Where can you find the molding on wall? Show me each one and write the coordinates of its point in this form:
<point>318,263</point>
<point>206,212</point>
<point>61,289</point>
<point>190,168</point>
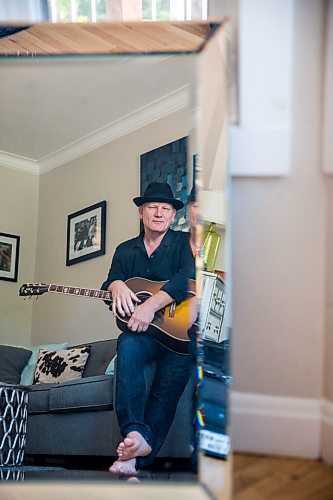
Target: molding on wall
<point>261,144</point>
<point>18,163</point>
<point>141,117</point>
<point>156,110</point>
<point>278,425</point>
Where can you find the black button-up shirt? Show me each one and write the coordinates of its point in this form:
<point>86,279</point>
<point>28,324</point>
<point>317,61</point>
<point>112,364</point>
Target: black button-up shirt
<point>172,261</point>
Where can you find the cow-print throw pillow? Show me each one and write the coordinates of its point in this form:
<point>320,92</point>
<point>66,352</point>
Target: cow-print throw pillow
<point>59,366</point>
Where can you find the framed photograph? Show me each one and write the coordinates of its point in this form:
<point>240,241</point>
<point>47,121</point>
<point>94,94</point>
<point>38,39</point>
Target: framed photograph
<point>9,256</point>
<point>86,234</point>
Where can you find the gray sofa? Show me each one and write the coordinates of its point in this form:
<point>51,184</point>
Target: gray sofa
<point>78,417</point>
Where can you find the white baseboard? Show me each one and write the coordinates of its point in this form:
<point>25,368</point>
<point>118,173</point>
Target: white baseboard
<point>328,412</point>
<point>276,425</point>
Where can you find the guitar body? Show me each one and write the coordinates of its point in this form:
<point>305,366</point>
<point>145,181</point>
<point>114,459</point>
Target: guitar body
<point>169,326</point>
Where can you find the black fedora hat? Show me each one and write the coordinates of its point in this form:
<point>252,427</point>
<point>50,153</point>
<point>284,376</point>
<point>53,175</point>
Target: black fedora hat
<point>159,192</point>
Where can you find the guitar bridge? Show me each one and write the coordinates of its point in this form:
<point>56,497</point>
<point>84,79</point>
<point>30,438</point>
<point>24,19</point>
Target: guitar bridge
<point>172,309</point>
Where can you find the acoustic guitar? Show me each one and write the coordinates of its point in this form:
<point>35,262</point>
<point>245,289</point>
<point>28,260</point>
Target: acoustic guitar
<point>169,326</point>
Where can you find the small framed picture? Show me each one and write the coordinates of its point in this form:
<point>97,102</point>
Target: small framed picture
<point>9,256</point>
<point>86,234</point>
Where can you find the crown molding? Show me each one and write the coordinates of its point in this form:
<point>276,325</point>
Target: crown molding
<point>19,163</point>
<point>129,123</point>
<point>141,117</point>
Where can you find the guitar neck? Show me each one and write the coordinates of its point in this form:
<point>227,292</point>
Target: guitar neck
<point>82,292</point>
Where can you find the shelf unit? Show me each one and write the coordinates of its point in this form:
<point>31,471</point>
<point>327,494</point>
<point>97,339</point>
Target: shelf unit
<point>212,308</point>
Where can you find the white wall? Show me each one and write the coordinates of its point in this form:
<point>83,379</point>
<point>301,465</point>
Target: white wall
<point>18,216</point>
<point>327,430</point>
<point>282,278</point>
<point>328,386</point>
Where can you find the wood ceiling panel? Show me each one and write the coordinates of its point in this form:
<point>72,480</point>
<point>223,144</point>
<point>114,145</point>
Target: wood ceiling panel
<point>107,38</point>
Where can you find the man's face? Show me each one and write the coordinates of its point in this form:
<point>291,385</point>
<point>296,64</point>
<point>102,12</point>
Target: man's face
<point>157,216</point>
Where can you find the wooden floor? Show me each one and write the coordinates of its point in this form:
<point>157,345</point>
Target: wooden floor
<point>276,478</point>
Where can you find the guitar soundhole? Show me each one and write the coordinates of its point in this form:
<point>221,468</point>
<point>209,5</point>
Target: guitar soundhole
<point>143,296</point>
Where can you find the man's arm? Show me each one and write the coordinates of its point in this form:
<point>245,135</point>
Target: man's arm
<point>175,290</point>
<point>123,299</point>
<point>177,286</point>
<point>144,313</point>
<point>126,302</point>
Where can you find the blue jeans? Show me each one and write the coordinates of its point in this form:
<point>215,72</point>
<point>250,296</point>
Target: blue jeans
<point>150,411</point>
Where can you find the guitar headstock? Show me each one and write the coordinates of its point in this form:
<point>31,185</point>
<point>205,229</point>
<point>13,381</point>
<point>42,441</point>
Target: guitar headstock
<point>33,289</point>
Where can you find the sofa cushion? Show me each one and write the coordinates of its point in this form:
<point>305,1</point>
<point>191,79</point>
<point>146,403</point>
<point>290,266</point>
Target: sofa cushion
<point>12,362</point>
<point>27,376</point>
<point>111,366</point>
<point>92,393</point>
<point>60,366</point>
<point>100,356</point>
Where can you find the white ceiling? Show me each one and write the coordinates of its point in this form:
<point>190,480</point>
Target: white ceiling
<point>47,104</point>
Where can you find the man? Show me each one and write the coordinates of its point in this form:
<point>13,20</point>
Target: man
<point>158,254</point>
<point>194,219</point>
<point>193,215</point>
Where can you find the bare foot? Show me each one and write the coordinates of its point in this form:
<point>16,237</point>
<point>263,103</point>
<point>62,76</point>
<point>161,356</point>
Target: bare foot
<point>133,479</point>
<point>134,445</point>
<point>124,468</point>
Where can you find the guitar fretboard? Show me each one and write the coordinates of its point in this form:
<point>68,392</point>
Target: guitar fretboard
<point>82,292</point>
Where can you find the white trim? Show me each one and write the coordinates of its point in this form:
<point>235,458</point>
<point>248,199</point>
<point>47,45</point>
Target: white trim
<point>93,11</point>
<point>277,425</point>
<point>53,11</point>
<point>328,412</point>
<point>156,110</point>
<point>259,151</point>
<point>204,9</point>
<point>327,146</point>
<point>19,163</point>
<point>188,9</point>
<point>177,10</point>
<point>265,87</point>
<point>129,123</point>
<point>153,10</point>
<point>73,11</point>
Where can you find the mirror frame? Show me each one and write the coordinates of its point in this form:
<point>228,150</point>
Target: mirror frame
<point>202,37</point>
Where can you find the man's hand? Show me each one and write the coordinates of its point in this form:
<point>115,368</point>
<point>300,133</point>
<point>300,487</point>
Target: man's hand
<point>141,318</point>
<point>144,313</point>
<point>123,299</point>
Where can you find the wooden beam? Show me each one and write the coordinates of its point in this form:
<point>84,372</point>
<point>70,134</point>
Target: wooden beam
<point>107,38</point>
